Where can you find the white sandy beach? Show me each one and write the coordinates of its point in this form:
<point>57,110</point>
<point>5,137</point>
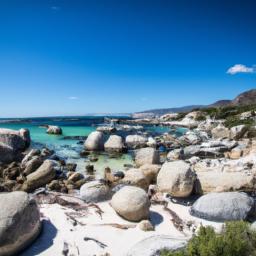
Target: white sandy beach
<point>58,229</point>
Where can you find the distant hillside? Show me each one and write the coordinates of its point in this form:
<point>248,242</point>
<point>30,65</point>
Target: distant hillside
<point>163,111</point>
<point>220,103</point>
<point>245,98</point>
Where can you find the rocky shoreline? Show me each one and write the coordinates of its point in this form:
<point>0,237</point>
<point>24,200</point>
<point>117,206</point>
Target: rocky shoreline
<point>207,175</point>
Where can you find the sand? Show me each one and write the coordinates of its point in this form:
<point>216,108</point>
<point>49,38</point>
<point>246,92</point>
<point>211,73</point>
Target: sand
<point>59,229</point>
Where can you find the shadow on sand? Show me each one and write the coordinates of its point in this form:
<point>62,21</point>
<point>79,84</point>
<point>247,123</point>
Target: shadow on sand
<point>44,241</point>
<point>155,218</point>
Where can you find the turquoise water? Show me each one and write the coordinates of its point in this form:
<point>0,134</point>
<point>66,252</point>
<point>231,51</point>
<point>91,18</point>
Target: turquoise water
<point>39,135</point>
<point>69,149</point>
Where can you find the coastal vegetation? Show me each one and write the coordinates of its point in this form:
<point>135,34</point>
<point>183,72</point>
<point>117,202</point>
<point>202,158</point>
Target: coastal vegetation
<point>236,239</point>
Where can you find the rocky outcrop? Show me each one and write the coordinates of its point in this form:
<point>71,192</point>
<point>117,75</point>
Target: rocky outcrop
<point>43,175</point>
<point>114,144</point>
<point>147,156</point>
<point>19,222</point>
<point>95,141</point>
<point>152,245</point>
<point>223,206</point>
<point>214,175</point>
<point>136,141</point>
<point>131,203</point>
<point>220,132</point>
<point>237,132</point>
<point>32,165</point>
<point>52,129</point>
<point>176,178</point>
<point>94,191</point>
<point>106,129</point>
<point>18,140</point>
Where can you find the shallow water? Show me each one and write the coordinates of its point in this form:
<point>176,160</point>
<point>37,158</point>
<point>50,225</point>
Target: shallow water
<point>69,149</point>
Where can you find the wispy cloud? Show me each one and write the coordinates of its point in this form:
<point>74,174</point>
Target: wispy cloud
<point>73,98</point>
<point>240,68</point>
<point>55,8</point>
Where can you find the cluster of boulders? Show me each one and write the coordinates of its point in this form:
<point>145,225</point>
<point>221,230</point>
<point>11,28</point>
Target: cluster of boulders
<point>27,170</point>
<point>211,161</point>
<point>98,141</point>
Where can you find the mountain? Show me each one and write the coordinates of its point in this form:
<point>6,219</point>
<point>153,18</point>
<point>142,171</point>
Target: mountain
<point>245,98</point>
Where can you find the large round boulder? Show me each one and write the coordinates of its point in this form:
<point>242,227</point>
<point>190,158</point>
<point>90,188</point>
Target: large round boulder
<point>19,222</point>
<point>136,141</point>
<point>43,175</point>
<point>114,144</point>
<point>94,191</point>
<point>52,129</point>
<point>131,203</point>
<point>176,178</point>
<point>18,140</point>
<point>135,177</point>
<point>147,156</point>
<point>225,206</point>
<point>95,141</point>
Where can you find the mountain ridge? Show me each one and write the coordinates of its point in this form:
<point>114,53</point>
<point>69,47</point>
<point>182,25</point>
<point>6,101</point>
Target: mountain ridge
<point>244,98</point>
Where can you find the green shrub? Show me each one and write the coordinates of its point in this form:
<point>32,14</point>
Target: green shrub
<point>236,239</point>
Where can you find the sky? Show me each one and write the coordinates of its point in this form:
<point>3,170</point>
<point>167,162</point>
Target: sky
<point>109,56</point>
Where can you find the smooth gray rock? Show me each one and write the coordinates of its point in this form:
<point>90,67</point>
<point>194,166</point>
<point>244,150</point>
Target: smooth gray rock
<point>136,141</point>
<point>114,144</point>
<point>176,178</point>
<point>147,156</point>
<point>237,132</point>
<point>95,141</point>
<point>131,203</point>
<point>153,245</point>
<point>18,140</point>
<point>19,222</point>
<point>43,175</point>
<point>7,154</point>
<point>32,165</point>
<point>225,206</point>
<point>94,191</point>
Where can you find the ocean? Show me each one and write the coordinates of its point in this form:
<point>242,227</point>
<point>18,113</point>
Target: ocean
<point>69,148</point>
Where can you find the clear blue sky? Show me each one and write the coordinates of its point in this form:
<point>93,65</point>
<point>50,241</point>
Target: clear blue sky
<point>76,57</point>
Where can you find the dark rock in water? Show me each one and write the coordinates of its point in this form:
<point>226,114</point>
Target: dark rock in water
<point>225,206</point>
<point>119,174</point>
<point>19,222</point>
<point>80,142</point>
<point>80,138</point>
<point>89,168</point>
<point>93,158</point>
<point>71,167</point>
<point>128,166</point>
<point>84,153</point>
